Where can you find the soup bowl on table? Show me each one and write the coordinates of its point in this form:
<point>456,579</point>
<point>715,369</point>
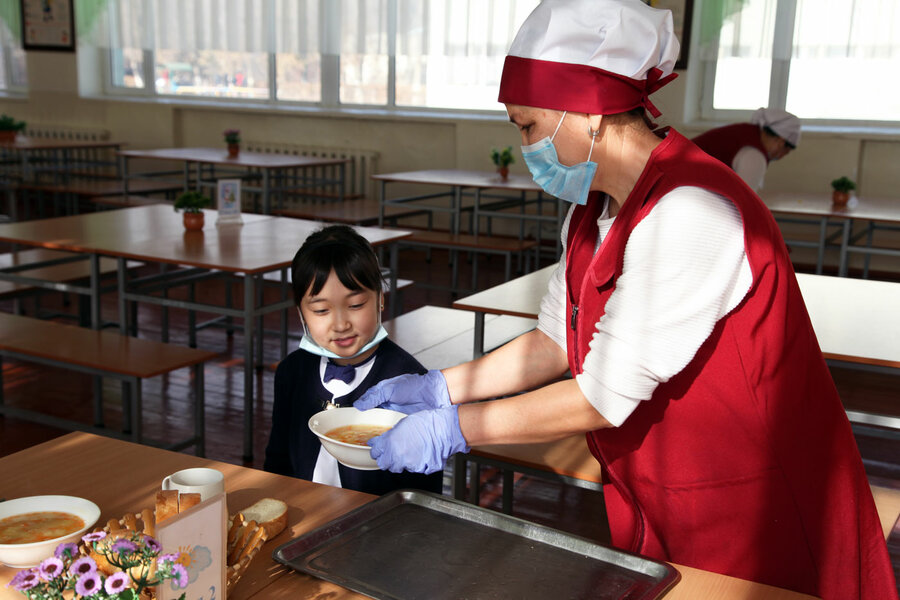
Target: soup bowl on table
<point>345,431</point>
<point>32,527</point>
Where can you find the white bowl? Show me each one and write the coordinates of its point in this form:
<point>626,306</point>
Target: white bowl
<point>351,455</point>
<point>28,555</point>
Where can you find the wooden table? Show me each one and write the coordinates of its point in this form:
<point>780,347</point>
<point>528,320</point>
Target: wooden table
<point>509,193</point>
<point>271,167</point>
<point>818,209</point>
<point>121,477</point>
<point>155,234</point>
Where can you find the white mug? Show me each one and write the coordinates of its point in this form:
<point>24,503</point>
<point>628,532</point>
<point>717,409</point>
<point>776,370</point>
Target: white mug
<point>206,482</point>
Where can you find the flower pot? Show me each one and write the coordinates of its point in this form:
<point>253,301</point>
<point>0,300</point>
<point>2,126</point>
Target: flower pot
<point>193,221</point>
<point>8,136</point>
<point>234,150</point>
<point>840,198</point>
<point>504,172</point>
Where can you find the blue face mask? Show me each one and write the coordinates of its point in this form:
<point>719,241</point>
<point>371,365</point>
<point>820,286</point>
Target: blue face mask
<point>572,184</point>
<point>310,345</point>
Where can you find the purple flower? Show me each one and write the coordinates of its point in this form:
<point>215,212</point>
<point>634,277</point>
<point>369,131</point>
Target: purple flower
<point>66,550</point>
<point>152,545</point>
<point>123,546</point>
<point>83,566</point>
<point>88,584</point>
<point>116,583</point>
<point>50,568</point>
<point>24,580</point>
<point>167,558</point>
<point>94,537</point>
<point>181,575</point>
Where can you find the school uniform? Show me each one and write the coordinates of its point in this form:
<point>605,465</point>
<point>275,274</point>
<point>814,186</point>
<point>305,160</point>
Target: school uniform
<point>301,392</point>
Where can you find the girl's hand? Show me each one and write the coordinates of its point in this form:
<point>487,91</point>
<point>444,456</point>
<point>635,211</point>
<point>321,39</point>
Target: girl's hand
<point>407,393</point>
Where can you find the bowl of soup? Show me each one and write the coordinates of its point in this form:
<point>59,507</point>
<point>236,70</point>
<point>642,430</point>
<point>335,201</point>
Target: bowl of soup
<point>345,431</point>
<point>31,528</point>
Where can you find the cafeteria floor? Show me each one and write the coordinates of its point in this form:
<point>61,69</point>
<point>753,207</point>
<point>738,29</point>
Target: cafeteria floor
<point>564,507</point>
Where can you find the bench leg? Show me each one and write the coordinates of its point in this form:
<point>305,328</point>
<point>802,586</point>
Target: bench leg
<point>127,415</point>
<point>137,410</point>
<point>199,410</point>
<point>459,476</point>
<point>192,318</point>
<point>98,401</point>
<point>474,483</point>
<point>508,484</point>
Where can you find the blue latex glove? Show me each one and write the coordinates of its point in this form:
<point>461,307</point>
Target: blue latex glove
<point>421,442</point>
<point>407,393</point>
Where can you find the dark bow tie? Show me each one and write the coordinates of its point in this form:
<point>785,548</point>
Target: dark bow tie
<point>345,373</point>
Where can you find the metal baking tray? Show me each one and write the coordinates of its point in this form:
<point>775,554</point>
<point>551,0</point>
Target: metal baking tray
<point>417,545</point>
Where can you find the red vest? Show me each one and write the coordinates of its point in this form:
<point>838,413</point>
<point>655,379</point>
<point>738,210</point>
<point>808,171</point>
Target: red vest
<point>725,142</point>
<point>744,463</point>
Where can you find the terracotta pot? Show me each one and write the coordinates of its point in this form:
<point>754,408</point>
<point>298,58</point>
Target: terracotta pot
<point>840,198</point>
<point>7,136</point>
<point>504,172</point>
<point>234,150</point>
<point>193,221</point>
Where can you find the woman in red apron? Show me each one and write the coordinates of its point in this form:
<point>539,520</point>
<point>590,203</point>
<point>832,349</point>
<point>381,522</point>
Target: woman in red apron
<point>696,375</point>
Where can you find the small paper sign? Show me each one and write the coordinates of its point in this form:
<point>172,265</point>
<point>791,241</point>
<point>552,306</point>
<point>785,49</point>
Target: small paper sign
<point>229,201</point>
<point>200,534</point>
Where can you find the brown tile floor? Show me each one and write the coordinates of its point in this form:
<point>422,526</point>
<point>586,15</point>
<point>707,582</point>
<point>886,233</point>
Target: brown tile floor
<point>167,409</point>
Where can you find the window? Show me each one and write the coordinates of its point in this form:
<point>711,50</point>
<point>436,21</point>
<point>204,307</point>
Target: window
<point>433,54</point>
<point>13,75</point>
<point>819,59</point>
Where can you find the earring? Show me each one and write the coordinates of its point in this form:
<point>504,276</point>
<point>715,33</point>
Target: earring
<point>594,133</point>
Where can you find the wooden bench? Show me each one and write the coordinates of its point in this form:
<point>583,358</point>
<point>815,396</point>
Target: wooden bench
<point>487,244</point>
<point>63,271</point>
<point>359,211</point>
<point>87,189</point>
<point>101,353</point>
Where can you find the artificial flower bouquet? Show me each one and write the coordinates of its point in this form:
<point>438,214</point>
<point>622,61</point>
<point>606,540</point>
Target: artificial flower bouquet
<point>125,568</point>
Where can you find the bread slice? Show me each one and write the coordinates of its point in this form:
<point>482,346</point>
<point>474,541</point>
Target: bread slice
<point>269,513</point>
<point>187,500</point>
<point>166,504</point>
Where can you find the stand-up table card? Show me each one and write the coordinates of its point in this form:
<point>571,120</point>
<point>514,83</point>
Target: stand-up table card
<point>200,534</point>
<point>229,201</point>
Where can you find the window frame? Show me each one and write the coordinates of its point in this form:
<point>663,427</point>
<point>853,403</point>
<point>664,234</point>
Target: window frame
<point>329,103</point>
<point>702,85</point>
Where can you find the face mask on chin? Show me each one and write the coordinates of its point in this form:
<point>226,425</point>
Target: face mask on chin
<point>572,184</point>
<point>309,344</point>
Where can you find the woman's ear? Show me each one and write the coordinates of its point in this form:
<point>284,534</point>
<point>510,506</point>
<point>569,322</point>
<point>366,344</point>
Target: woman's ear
<point>594,124</point>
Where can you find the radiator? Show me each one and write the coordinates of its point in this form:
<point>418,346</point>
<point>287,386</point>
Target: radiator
<point>44,131</point>
<point>358,173</point>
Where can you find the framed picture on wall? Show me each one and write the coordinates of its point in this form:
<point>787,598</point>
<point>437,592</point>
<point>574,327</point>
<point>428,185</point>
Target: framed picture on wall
<point>682,12</point>
<point>48,25</point>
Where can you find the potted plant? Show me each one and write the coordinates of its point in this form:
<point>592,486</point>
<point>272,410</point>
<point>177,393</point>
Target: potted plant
<point>842,187</point>
<point>9,128</point>
<point>503,158</point>
<point>191,203</point>
<point>233,140</point>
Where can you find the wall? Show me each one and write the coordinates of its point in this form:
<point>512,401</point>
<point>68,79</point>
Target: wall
<point>412,142</point>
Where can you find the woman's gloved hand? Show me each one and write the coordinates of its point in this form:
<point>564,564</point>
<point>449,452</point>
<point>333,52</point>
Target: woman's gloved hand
<point>421,442</point>
<point>407,393</point>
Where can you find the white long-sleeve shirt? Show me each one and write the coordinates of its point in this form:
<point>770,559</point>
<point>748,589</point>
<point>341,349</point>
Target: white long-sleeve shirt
<point>684,269</point>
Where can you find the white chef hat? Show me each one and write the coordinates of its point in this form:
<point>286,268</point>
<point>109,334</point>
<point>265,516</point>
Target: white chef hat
<point>591,56</point>
<point>783,123</point>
